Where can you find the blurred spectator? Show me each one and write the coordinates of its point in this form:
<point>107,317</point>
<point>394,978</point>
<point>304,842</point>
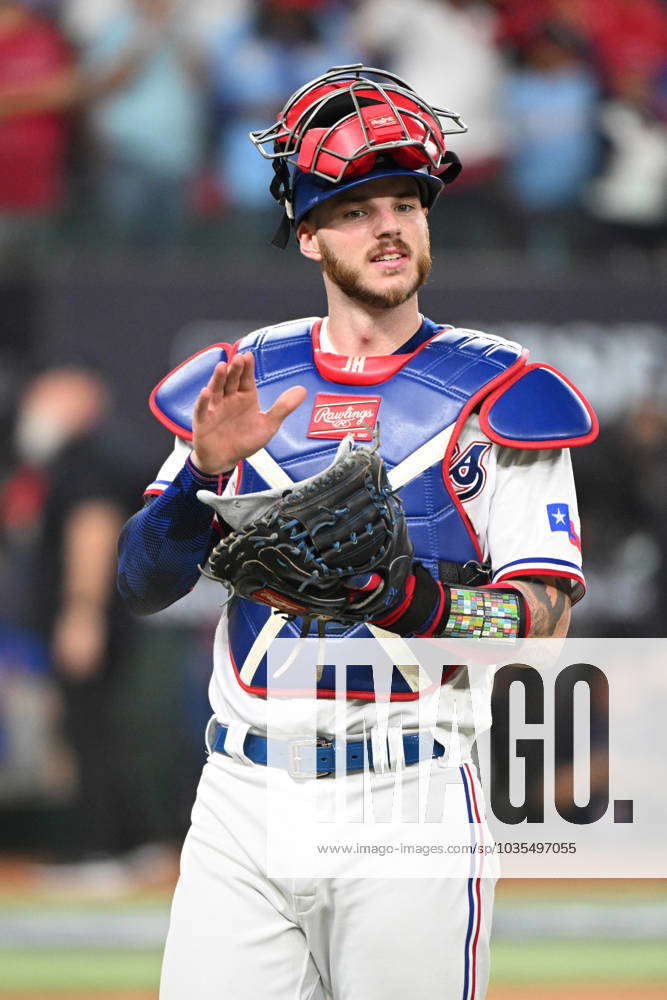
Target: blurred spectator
<point>631,192</point>
<point>83,20</point>
<point>61,509</point>
<point>265,52</point>
<point>627,36</point>
<point>623,479</point>
<point>37,84</point>
<point>624,35</point>
<point>518,18</point>
<point>147,118</point>
<point>205,17</point>
<point>550,105</point>
<point>445,50</point>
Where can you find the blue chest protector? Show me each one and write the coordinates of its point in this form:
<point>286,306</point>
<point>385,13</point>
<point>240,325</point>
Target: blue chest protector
<point>417,398</point>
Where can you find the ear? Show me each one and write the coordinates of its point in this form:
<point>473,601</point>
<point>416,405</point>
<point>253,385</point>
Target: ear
<point>308,243</point>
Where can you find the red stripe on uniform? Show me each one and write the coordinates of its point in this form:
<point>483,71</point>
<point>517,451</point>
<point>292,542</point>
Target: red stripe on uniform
<point>478,881</point>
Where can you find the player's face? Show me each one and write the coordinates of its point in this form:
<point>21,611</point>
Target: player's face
<point>372,241</point>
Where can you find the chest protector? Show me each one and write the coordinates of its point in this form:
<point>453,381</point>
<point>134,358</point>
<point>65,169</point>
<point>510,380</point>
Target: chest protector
<point>421,401</point>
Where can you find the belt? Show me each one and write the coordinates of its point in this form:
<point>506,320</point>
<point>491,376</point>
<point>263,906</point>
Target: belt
<point>316,758</point>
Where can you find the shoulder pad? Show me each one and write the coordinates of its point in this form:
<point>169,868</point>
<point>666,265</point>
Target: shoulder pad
<point>292,328</point>
<point>538,408</point>
<point>173,399</point>
<point>488,343</point>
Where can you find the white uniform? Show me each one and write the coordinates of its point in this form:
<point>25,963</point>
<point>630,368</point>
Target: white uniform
<point>236,933</point>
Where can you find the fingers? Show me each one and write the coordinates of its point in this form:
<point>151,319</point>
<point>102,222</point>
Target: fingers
<point>248,375</point>
<point>234,372</point>
<point>201,406</point>
<point>216,383</point>
<point>286,403</point>
<point>232,380</point>
<point>225,380</point>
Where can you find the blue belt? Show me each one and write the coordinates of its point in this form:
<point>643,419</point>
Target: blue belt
<point>316,758</point>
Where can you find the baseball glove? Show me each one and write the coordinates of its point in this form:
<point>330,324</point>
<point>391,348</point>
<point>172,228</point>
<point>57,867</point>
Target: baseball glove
<point>311,549</point>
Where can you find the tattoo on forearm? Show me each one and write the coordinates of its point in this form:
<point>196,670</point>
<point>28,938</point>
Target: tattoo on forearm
<point>549,608</point>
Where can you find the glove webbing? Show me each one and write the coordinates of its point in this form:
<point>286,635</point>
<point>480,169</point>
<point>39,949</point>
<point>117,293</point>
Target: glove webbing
<point>430,608</point>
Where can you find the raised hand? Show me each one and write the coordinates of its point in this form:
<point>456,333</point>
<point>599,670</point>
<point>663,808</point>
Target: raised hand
<point>227,423</point>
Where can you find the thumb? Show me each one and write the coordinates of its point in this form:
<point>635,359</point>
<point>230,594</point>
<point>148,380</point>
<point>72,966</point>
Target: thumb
<point>286,403</point>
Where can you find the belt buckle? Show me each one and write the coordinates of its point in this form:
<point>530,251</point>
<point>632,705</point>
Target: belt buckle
<point>294,748</point>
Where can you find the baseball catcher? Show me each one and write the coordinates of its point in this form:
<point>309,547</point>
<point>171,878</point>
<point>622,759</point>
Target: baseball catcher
<point>459,520</point>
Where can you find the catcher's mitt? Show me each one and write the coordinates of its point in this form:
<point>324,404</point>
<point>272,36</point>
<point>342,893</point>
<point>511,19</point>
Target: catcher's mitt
<point>310,549</point>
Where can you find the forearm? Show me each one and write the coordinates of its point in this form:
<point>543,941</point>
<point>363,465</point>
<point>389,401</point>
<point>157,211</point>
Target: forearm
<point>162,546</point>
<point>89,555</point>
<point>549,604</point>
<point>79,635</point>
<point>429,608</point>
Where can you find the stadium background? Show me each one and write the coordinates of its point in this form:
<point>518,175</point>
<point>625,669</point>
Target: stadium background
<point>134,229</point>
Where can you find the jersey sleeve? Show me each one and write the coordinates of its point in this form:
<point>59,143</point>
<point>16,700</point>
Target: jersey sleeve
<point>169,468</point>
<point>172,466</point>
<point>533,526</point>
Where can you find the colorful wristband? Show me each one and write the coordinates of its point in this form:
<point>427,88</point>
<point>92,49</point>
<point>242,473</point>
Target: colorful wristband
<point>487,613</point>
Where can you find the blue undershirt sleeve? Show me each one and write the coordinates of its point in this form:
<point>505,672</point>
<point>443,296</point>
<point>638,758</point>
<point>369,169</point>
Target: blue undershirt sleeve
<point>162,546</point>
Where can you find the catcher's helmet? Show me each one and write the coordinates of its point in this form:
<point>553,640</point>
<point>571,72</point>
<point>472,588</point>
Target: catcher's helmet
<point>350,125</point>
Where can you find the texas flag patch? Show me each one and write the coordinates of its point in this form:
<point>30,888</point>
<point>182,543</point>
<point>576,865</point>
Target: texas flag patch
<point>560,520</point>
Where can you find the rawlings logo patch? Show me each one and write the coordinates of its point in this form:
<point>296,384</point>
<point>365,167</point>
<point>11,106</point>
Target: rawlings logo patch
<point>383,120</point>
<point>466,470</point>
<point>335,416</point>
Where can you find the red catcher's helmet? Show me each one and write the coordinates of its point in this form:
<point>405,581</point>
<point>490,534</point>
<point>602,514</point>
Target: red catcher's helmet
<point>343,124</point>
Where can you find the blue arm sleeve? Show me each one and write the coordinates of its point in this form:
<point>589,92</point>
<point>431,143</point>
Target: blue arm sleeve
<point>162,546</point>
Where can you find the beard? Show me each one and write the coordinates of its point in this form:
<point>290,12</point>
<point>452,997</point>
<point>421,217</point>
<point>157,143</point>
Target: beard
<point>350,284</point>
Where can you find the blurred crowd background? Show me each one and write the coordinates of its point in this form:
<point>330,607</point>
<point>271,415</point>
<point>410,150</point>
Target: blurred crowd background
<point>134,229</point>
<point>128,119</point>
